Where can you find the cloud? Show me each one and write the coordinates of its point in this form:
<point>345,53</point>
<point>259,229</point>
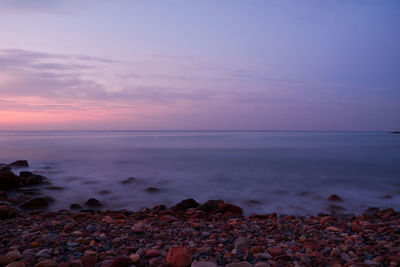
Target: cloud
<point>31,80</point>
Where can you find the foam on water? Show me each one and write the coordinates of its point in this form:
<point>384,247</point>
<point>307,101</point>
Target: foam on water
<point>284,172</point>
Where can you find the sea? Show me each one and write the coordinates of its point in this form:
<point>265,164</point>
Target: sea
<point>287,172</point>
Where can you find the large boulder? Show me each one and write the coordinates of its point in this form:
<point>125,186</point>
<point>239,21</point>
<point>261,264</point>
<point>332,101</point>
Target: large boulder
<point>8,179</point>
<point>36,203</point>
<point>210,205</point>
<point>7,212</point>
<point>19,164</point>
<point>4,166</point>
<point>185,205</point>
<point>92,202</point>
<point>29,178</point>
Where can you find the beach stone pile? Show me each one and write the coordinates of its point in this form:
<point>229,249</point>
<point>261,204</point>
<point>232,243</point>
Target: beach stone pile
<point>189,234</point>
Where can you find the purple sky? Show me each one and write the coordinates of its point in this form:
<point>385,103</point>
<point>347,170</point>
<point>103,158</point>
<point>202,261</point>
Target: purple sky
<point>227,64</point>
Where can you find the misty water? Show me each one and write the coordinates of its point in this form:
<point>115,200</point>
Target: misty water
<point>286,172</point>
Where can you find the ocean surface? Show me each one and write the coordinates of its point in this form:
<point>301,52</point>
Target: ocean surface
<point>288,172</point>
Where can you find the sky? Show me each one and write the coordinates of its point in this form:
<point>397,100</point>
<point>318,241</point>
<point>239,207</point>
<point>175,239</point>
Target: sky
<point>199,65</point>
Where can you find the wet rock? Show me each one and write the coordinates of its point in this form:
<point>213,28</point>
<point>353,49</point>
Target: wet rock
<point>121,262</point>
<point>179,257</point>
<point>19,164</point>
<point>210,205</point>
<point>225,207</point>
<point>29,178</point>
<point>8,179</point>
<point>4,166</point>
<point>92,202</point>
<point>152,190</point>
<point>46,263</point>
<point>7,212</point>
<point>185,205</point>
<point>335,198</point>
<point>36,203</point>
<point>75,206</point>
<point>253,202</point>
<point>128,181</point>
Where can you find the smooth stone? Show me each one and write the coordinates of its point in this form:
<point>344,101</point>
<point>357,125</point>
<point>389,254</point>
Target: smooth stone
<point>240,242</point>
<point>44,253</point>
<point>134,258</point>
<point>179,257</point>
<point>335,197</point>
<point>239,264</point>
<point>128,181</point>
<point>203,264</point>
<point>29,178</point>
<point>46,263</point>
<point>152,190</point>
<point>92,202</point>
<point>36,203</point>
<point>19,164</point>
<point>75,206</point>
<point>16,264</point>
<point>185,205</point>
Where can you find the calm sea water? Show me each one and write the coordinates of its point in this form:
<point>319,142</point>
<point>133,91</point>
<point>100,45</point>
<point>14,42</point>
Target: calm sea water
<point>282,171</point>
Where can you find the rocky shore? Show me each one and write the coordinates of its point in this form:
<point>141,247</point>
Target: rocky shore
<point>214,233</point>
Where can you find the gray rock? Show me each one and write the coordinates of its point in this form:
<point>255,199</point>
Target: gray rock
<point>44,253</point>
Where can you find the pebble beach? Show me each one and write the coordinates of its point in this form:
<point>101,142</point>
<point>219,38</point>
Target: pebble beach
<point>189,233</point>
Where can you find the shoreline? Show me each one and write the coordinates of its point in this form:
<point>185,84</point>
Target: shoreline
<point>210,234</point>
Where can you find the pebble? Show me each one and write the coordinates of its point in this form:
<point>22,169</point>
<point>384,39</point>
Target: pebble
<point>16,264</point>
<point>203,264</point>
<point>239,264</point>
<point>179,257</point>
<point>46,263</point>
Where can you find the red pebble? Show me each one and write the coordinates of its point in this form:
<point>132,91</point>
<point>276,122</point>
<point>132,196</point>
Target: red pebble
<point>275,251</point>
<point>121,262</point>
<point>88,261</point>
<point>179,257</point>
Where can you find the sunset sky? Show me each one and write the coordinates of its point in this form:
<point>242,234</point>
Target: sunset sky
<point>206,64</point>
